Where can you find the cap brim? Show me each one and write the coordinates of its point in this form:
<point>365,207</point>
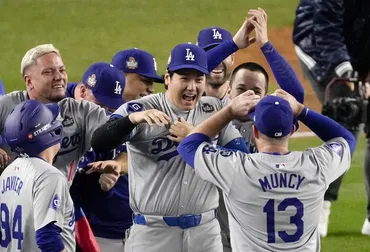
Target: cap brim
<point>108,101</point>
<point>210,46</point>
<point>178,67</point>
<point>154,77</point>
<point>54,108</point>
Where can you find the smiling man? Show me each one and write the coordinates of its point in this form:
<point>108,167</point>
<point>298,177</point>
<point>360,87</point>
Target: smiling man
<point>217,84</point>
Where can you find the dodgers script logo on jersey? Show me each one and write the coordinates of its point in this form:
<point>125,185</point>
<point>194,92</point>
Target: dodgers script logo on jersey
<point>67,142</point>
<point>163,144</point>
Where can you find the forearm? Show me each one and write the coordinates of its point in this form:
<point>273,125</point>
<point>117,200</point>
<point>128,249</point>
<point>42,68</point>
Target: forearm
<point>214,124</point>
<point>48,238</point>
<point>122,159</point>
<point>219,53</point>
<point>283,72</point>
<point>326,128</point>
<point>188,147</point>
<point>112,134</point>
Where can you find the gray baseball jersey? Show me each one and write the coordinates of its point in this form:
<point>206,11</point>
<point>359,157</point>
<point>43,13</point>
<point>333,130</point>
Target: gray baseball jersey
<point>274,201</point>
<point>34,194</point>
<point>79,119</point>
<point>160,182</point>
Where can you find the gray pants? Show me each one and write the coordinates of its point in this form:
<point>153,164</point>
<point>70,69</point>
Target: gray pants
<point>203,238</point>
<point>341,91</point>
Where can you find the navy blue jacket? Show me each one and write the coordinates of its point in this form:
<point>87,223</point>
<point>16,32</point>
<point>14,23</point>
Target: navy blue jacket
<point>333,37</point>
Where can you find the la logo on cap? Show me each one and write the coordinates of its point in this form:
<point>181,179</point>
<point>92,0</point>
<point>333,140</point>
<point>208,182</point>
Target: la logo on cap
<point>189,55</point>
<point>91,81</point>
<point>216,34</point>
<point>131,63</point>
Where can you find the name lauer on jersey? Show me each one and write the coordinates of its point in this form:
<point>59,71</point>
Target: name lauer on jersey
<point>281,180</point>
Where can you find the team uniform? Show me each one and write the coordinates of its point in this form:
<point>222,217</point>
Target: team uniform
<point>34,194</point>
<point>79,119</point>
<point>108,213</point>
<point>161,184</point>
<point>281,210</point>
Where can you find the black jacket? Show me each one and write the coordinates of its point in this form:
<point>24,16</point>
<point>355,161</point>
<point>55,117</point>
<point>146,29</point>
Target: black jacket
<point>333,36</point>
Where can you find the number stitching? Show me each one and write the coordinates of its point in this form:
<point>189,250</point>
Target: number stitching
<point>296,219</point>
<point>17,224</point>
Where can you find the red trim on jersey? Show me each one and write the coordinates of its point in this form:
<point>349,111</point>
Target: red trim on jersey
<point>71,166</point>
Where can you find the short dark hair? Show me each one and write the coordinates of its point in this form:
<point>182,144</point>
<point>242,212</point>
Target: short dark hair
<point>253,67</point>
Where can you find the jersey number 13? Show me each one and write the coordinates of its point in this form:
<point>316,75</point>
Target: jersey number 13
<point>296,219</point>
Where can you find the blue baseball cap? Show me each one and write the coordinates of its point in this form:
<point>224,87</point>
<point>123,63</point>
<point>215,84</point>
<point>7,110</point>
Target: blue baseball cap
<point>188,56</point>
<point>273,116</point>
<point>137,61</point>
<point>107,84</point>
<point>213,36</point>
<point>2,90</point>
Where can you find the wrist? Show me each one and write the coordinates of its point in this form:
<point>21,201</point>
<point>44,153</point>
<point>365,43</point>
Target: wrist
<point>299,110</point>
<point>263,43</point>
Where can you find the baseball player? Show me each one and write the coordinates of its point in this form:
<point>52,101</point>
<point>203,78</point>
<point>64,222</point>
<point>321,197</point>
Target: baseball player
<point>168,202</point>
<point>247,76</point>
<point>36,208</point>
<point>109,214</point>
<point>140,70</point>
<point>280,211</point>
<point>217,84</point>
<point>44,74</point>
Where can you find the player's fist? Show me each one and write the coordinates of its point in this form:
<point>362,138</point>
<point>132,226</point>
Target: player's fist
<point>107,181</point>
<point>4,159</point>
<point>179,130</point>
<point>151,116</point>
<point>242,37</point>
<point>109,166</point>
<point>258,18</point>
<point>294,104</point>
<point>241,105</point>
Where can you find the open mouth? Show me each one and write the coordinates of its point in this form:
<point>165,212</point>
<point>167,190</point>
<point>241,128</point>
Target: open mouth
<point>189,98</point>
<point>218,71</point>
<point>58,86</point>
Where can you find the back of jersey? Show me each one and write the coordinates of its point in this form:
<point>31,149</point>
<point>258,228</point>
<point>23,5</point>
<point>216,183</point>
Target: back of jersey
<point>28,203</point>
<point>278,209</point>
<point>274,201</point>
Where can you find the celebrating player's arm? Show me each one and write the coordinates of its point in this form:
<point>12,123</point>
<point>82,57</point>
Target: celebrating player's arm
<point>282,70</point>
<point>334,156</point>
<point>241,40</point>
<point>213,163</point>
<point>124,124</point>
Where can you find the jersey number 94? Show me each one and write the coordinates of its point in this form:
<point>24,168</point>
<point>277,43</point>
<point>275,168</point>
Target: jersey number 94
<point>11,232</point>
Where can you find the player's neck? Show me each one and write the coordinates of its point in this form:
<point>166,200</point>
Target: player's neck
<point>217,91</point>
<point>49,154</point>
<point>273,148</point>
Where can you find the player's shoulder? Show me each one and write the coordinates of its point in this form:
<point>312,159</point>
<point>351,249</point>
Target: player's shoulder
<point>336,145</point>
<point>210,104</point>
<point>12,99</point>
<point>146,102</point>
